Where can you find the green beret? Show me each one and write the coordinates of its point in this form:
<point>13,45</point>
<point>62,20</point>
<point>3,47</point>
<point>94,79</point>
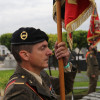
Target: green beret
<point>28,35</point>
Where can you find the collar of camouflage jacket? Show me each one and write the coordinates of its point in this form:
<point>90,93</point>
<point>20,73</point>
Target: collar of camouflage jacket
<point>31,80</point>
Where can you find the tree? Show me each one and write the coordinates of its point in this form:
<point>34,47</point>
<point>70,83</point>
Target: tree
<point>52,40</point>
<point>64,37</point>
<point>80,39</point>
<point>5,40</point>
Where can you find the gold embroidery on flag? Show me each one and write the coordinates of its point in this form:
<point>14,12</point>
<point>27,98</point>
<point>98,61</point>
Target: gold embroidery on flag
<point>97,25</point>
<point>72,1</point>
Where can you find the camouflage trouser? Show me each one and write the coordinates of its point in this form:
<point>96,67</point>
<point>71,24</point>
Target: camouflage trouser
<point>92,84</point>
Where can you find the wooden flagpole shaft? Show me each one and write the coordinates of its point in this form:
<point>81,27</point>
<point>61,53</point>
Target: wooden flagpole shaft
<point>60,61</point>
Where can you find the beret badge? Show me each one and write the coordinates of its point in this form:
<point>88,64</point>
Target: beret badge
<point>24,35</point>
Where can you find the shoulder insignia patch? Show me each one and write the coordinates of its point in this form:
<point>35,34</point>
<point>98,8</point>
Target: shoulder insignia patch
<point>19,83</point>
<point>9,84</point>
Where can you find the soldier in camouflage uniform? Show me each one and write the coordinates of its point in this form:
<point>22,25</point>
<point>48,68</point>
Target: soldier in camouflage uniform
<point>92,69</point>
<point>30,81</point>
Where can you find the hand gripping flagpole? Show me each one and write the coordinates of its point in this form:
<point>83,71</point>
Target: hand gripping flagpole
<point>60,61</point>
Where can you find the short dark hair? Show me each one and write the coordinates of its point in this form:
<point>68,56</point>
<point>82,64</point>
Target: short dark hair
<point>15,49</point>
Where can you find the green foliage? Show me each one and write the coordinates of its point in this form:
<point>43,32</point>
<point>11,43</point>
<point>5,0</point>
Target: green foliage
<point>5,39</point>
<point>79,39</point>
<point>64,37</point>
<point>52,40</point>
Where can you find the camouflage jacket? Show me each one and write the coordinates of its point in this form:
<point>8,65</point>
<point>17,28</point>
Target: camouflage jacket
<point>23,86</point>
<point>92,65</point>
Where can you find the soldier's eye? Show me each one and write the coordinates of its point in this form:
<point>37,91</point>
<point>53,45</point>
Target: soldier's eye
<point>43,47</point>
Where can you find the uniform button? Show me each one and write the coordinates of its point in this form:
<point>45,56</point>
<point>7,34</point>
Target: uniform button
<point>23,76</point>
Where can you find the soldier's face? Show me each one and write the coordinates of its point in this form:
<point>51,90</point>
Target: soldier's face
<point>40,55</point>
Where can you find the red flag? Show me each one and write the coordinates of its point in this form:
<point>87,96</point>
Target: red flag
<point>93,35</point>
<point>76,12</point>
<point>73,13</point>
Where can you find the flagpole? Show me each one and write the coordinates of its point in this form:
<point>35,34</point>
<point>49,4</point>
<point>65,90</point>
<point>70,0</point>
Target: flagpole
<point>60,61</point>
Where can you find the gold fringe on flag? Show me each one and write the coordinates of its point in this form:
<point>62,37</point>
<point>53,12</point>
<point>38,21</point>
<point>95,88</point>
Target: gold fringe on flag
<point>81,18</point>
<point>70,41</point>
<point>75,23</point>
<point>92,37</point>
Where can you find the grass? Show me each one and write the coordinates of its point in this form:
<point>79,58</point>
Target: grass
<point>76,84</point>
<point>80,84</point>
<point>54,73</point>
<point>5,75</point>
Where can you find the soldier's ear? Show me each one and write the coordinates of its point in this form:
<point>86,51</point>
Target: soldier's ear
<point>24,55</point>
